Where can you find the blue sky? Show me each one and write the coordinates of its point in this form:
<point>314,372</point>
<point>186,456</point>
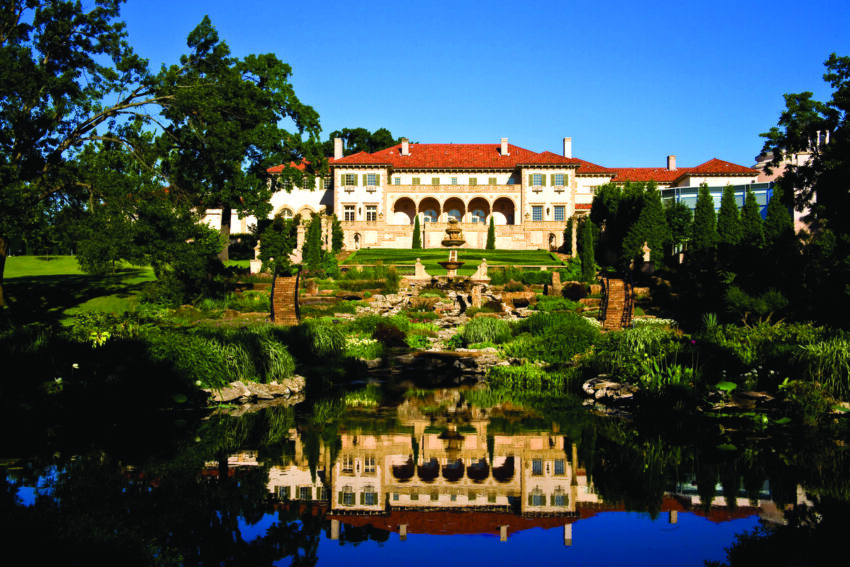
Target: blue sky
<point>630,82</point>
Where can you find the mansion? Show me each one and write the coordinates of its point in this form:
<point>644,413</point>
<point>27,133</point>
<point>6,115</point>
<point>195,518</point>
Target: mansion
<point>530,196</point>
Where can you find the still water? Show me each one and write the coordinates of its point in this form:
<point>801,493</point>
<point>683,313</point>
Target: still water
<point>449,476</point>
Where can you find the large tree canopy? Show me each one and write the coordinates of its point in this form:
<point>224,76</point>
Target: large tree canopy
<point>822,183</point>
<point>360,140</point>
<point>68,79</point>
<point>65,72</point>
<point>224,127</point>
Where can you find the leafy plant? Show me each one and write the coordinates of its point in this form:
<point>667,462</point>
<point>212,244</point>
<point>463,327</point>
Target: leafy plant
<point>486,329</point>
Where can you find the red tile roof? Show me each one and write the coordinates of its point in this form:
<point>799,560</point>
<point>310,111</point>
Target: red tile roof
<point>713,167</point>
<point>588,168</point>
<point>456,156</point>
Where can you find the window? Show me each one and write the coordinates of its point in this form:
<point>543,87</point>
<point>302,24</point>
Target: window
<point>454,180</point>
<point>348,212</point>
<point>537,498</point>
<point>395,496</point>
<point>396,180</point>
<point>559,499</point>
<point>537,213</point>
<point>369,464</point>
<point>323,493</point>
<point>414,495</point>
<point>559,213</point>
<point>371,179</point>
<point>537,467</point>
<point>435,496</point>
<point>454,214</point>
<point>286,214</point>
<point>491,181</point>
<point>370,497</point>
<point>435,181</point>
<point>416,181</point>
<point>478,216</point>
<point>305,492</point>
<point>473,181</point>
<point>347,464</point>
<point>326,183</point>
<point>537,179</point>
<point>430,215</point>
<point>558,180</point>
<point>346,498</point>
<point>559,466</point>
<point>349,179</point>
<point>371,212</point>
<point>283,492</point>
<point>491,498</point>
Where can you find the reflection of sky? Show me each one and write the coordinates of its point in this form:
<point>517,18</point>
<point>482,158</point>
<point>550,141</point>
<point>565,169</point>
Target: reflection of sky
<point>610,538</point>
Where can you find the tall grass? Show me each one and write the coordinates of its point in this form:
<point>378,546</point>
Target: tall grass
<point>322,338</point>
<point>555,337</point>
<point>828,362</point>
<point>486,330</point>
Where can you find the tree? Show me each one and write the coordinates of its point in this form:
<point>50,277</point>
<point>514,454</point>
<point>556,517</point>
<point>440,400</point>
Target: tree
<point>728,227</point>
<point>568,235</point>
<point>312,254</point>
<point>277,241</point>
<point>679,221</point>
<point>224,129</point>
<point>823,182</point>
<point>778,225</point>
<point>728,219</point>
<point>751,223</point>
<point>417,234</point>
<point>360,140</point>
<point>491,235</point>
<point>65,73</point>
<point>588,266</point>
<point>650,228</point>
<point>704,232</point>
<point>337,236</point>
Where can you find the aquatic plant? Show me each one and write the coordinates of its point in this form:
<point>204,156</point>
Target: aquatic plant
<point>486,329</point>
<point>827,362</point>
<point>322,338</point>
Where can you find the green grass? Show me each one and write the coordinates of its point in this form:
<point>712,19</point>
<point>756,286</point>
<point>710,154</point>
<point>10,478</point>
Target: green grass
<point>471,257</point>
<point>38,289</point>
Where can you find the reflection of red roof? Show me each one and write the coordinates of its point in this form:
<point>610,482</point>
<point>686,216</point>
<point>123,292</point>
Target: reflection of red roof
<point>456,156</point>
<point>584,206</point>
<point>472,521</point>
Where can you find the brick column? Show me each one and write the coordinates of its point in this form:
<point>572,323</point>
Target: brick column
<point>285,300</point>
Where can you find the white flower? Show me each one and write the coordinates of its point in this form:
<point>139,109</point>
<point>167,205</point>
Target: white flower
<point>75,366</point>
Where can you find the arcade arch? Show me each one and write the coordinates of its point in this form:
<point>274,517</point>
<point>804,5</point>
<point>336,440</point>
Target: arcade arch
<point>404,210</point>
<point>504,211</point>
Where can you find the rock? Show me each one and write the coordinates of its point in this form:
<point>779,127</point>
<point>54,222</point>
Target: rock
<point>241,392</point>
<point>607,391</point>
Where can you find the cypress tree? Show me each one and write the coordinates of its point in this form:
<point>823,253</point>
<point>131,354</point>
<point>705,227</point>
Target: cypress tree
<point>679,221</point>
<point>337,236</point>
<point>417,234</point>
<point>728,219</point>
<point>751,223</point>
<point>588,266</point>
<point>704,232</point>
<point>568,235</point>
<point>651,228</point>
<point>778,224</point>
<point>491,235</point>
<point>311,252</point>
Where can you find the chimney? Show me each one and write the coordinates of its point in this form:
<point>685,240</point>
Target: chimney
<point>505,147</point>
<point>568,147</point>
<point>671,163</point>
<point>405,147</point>
<point>337,148</point>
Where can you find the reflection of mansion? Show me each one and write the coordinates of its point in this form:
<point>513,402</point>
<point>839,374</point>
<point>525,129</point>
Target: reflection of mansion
<point>530,196</point>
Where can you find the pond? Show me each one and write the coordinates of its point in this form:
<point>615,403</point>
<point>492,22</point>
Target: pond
<point>417,477</point>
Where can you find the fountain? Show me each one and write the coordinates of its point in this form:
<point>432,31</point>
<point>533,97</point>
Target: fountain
<point>454,238</point>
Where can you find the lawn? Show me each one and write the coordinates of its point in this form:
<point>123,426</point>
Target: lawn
<point>41,288</point>
<point>471,257</point>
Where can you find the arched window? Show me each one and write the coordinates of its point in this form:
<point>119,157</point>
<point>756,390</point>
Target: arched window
<point>430,215</point>
<point>286,214</point>
<point>478,216</point>
<point>454,214</point>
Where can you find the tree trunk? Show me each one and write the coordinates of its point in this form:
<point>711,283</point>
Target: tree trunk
<point>4,249</point>
<point>226,213</point>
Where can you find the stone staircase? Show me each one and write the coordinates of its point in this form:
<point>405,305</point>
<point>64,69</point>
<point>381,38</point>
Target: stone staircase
<point>618,305</point>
